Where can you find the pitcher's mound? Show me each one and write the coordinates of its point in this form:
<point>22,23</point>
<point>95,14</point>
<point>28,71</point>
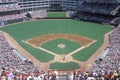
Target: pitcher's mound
<point>61,46</point>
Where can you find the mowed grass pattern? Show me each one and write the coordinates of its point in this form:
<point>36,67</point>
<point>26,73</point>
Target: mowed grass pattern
<point>69,46</point>
<point>28,30</point>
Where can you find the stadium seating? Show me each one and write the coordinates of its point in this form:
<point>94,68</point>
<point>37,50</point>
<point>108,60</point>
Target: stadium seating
<point>100,8</point>
<point>11,62</point>
<point>97,12</point>
<point>38,14</point>
<point>9,13</point>
<point>9,7</point>
<point>13,66</point>
<point>12,18</point>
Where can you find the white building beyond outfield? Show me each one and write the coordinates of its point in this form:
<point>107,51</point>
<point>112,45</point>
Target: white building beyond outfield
<point>33,5</point>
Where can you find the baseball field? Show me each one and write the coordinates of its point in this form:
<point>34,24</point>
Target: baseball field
<point>62,44</point>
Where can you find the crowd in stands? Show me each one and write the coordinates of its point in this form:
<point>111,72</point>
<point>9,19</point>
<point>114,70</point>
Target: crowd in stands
<point>12,66</point>
<point>38,14</point>
<point>12,18</point>
<point>4,1</point>
<point>98,8</point>
<point>95,18</point>
<point>97,12</point>
<point>9,7</point>
<point>116,21</point>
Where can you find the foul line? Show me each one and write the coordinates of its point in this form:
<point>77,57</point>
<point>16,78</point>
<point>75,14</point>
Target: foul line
<point>50,52</point>
<point>69,54</point>
<point>73,52</point>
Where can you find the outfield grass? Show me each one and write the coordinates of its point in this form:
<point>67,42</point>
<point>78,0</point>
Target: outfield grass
<point>53,46</point>
<point>56,14</point>
<point>86,53</point>
<point>64,66</point>
<point>28,30</point>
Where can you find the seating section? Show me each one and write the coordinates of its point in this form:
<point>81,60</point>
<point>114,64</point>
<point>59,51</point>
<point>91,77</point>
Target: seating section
<point>38,14</point>
<point>97,12</point>
<point>12,65</point>
<point>10,12</point>
<point>100,8</point>
<point>95,18</point>
<point>9,7</point>
<point>12,18</point>
<point>8,59</point>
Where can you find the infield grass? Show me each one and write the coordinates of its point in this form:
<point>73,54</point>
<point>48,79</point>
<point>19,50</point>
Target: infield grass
<point>64,66</point>
<point>68,46</point>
